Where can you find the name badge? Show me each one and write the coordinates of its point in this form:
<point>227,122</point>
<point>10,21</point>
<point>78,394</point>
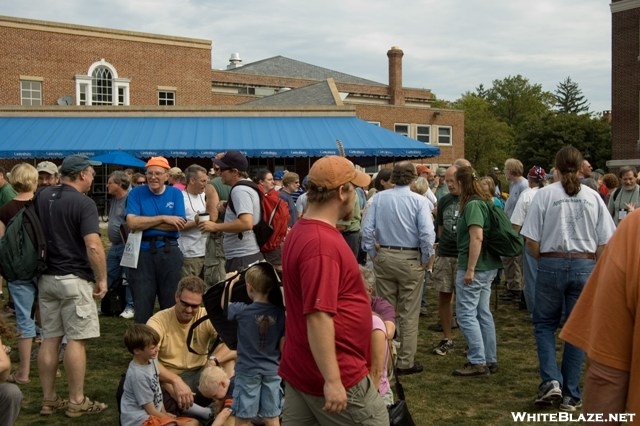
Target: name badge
<point>622,213</point>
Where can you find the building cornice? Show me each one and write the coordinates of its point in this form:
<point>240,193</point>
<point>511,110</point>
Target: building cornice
<point>621,6</point>
<point>81,30</point>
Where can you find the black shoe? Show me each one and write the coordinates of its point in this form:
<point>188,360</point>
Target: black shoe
<point>417,368</point>
<point>493,367</point>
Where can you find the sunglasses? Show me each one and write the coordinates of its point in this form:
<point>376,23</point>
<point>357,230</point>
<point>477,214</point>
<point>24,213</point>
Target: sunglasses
<point>189,305</point>
<point>141,182</point>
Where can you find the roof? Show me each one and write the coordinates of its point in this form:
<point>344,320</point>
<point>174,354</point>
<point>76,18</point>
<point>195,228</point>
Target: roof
<point>143,137</point>
<point>280,66</point>
<point>323,93</point>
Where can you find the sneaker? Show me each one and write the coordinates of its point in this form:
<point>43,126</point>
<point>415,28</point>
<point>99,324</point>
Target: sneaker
<point>493,367</point>
<point>471,370</point>
<point>445,346</point>
<point>570,404</point>
<point>548,393</point>
<point>417,368</point>
<point>423,311</point>
<point>437,327</point>
<point>127,313</point>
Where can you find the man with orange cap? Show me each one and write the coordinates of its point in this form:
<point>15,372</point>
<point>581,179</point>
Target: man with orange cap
<point>157,210</point>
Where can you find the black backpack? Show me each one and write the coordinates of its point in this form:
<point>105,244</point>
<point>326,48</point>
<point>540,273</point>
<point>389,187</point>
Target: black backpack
<point>217,310</point>
<point>23,248</point>
<point>114,302</point>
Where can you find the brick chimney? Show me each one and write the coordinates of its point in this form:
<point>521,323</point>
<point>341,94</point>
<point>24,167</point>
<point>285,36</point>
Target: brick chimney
<point>395,75</point>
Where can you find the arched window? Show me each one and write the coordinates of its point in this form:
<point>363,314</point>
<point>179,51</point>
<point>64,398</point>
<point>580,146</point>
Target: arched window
<point>102,86</point>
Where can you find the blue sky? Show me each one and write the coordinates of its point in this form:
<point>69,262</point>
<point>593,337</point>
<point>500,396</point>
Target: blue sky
<point>449,46</point>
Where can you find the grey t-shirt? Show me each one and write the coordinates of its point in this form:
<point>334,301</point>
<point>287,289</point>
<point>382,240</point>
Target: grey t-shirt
<point>117,213</point>
<point>141,386</point>
<point>245,200</point>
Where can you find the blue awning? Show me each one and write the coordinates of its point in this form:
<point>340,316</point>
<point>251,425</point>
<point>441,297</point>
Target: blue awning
<point>143,137</point>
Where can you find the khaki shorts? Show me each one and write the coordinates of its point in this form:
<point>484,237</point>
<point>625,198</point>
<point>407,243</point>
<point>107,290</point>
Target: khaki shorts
<point>365,408</point>
<point>443,277</point>
<point>67,307</point>
<point>193,266</point>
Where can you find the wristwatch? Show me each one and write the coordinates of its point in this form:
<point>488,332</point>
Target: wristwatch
<point>214,359</point>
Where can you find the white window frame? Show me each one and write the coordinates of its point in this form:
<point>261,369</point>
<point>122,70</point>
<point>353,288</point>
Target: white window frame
<point>407,125</point>
<point>162,96</point>
<point>84,86</point>
<point>422,134</point>
<point>449,136</point>
<point>34,94</point>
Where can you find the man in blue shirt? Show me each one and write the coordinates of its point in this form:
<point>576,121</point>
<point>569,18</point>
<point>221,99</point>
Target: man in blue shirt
<point>157,210</point>
<point>398,234</point>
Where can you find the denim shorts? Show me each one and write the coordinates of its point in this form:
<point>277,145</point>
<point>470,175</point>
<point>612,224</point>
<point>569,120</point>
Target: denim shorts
<point>257,395</point>
<point>24,295</point>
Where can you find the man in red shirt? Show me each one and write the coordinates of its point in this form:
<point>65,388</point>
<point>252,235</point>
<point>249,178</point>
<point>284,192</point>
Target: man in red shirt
<point>328,323</point>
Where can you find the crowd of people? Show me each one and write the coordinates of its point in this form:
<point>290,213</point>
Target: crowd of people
<point>354,268</point>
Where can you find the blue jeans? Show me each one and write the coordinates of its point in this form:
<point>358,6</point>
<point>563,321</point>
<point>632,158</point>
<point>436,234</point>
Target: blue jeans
<point>474,316</point>
<point>530,269</point>
<point>115,271</point>
<point>24,294</point>
<point>157,274</point>
<point>559,284</point>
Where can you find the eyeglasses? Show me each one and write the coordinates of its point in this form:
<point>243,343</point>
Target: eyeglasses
<point>189,305</point>
<point>155,174</point>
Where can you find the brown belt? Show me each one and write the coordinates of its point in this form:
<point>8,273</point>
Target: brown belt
<point>568,255</point>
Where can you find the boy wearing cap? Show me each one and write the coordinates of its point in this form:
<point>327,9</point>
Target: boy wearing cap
<point>328,320</point>
<point>76,274</point>
<point>239,242</point>
<point>157,210</point>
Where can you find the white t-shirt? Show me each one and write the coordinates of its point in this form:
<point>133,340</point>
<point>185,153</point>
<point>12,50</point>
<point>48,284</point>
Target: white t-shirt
<point>568,224</point>
<point>192,242</point>
<point>522,206</point>
<point>245,200</point>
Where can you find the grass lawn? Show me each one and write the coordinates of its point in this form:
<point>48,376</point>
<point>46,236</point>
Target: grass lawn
<point>435,397</point>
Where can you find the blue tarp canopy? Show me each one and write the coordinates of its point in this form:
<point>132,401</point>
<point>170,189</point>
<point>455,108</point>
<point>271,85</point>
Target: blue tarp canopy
<point>120,158</point>
<point>143,137</point>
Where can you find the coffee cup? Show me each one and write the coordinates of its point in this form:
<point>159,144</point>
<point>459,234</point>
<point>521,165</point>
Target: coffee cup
<point>203,217</point>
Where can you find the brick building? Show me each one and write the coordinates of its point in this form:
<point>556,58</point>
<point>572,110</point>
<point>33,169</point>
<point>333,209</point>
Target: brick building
<point>53,65</point>
<point>625,91</point>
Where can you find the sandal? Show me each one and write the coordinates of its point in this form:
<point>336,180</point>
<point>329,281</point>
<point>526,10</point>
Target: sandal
<point>50,406</point>
<point>13,379</point>
<point>85,407</point>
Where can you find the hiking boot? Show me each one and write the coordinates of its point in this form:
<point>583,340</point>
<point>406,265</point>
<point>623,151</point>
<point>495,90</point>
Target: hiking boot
<point>445,346</point>
<point>570,404</point>
<point>548,393</point>
<point>471,370</point>
<point>417,368</point>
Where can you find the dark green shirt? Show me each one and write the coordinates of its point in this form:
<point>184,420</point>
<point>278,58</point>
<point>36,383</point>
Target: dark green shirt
<point>476,212</point>
<point>446,219</point>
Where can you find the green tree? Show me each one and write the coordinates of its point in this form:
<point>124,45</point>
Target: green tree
<point>540,139</point>
<point>487,140</point>
<point>514,100</point>
<point>569,98</point>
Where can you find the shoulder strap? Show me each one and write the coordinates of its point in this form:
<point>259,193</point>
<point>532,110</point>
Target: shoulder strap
<point>244,182</point>
<point>190,337</point>
<point>616,193</point>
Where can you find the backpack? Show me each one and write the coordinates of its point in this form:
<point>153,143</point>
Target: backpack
<point>500,239</point>
<point>23,248</point>
<point>216,302</point>
<point>114,302</point>
<point>274,217</point>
